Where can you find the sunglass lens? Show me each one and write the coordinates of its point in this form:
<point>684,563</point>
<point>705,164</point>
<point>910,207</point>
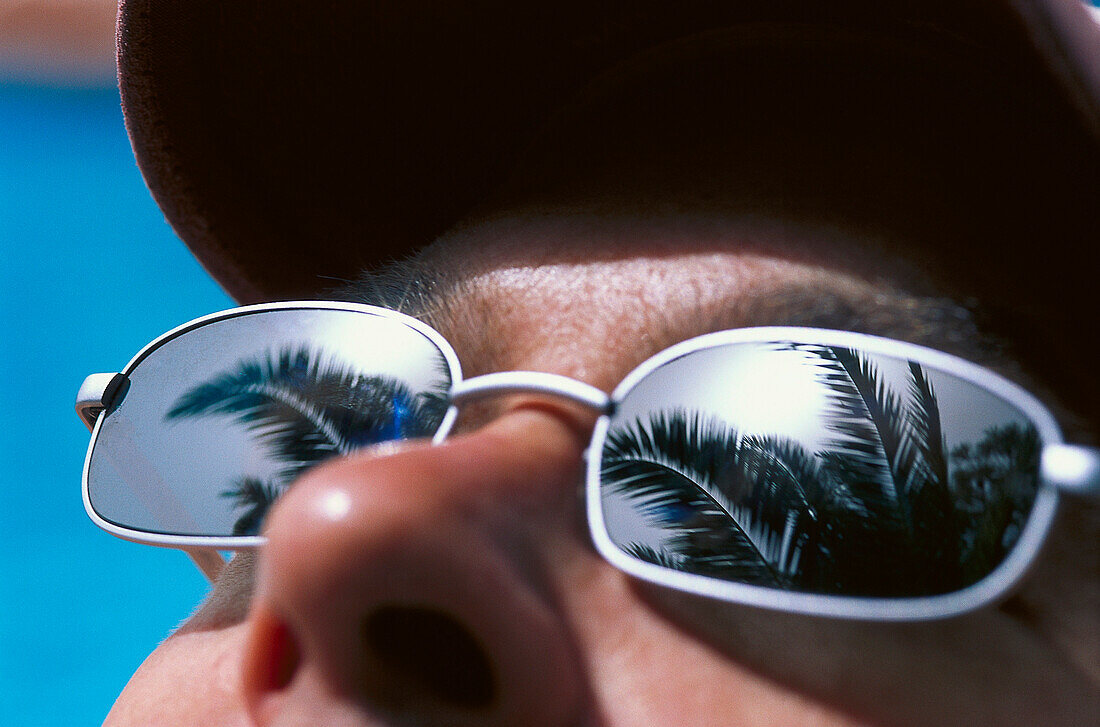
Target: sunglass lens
<point>215,423</point>
<point>818,469</point>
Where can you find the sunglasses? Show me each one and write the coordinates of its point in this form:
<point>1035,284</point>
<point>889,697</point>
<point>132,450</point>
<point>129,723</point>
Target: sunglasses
<point>812,471</point>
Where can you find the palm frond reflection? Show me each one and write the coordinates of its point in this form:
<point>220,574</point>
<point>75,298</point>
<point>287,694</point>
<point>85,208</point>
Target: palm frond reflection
<point>881,509</point>
<point>304,406</point>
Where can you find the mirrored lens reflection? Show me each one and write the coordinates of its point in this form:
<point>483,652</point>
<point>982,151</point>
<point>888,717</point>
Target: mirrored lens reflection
<point>216,423</point>
<point>818,469</point>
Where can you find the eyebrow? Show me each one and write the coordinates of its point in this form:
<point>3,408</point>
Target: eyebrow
<point>935,322</point>
<point>410,286</point>
<point>425,291</point>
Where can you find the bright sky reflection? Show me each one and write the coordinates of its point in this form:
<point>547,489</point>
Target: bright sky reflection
<point>766,389</point>
<point>755,389</point>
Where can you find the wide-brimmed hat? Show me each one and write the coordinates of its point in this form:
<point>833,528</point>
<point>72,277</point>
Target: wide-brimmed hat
<point>291,144</point>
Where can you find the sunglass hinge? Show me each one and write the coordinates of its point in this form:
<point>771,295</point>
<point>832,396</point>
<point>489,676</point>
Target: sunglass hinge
<point>98,393</point>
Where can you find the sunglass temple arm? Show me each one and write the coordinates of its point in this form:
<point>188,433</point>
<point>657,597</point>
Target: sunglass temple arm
<point>209,561</point>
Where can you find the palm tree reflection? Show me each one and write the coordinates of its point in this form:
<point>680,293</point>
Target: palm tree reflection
<point>305,406</point>
<point>882,510</point>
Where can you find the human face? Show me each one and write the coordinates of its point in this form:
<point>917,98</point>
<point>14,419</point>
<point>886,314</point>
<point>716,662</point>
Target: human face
<point>454,584</point>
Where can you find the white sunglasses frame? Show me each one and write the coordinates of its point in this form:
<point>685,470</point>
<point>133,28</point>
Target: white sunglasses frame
<point>1067,468</point>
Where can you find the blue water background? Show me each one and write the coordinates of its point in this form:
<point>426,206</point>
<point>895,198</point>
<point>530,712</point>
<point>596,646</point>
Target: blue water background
<point>90,273</point>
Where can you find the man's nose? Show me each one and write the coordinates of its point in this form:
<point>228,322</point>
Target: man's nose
<point>411,587</point>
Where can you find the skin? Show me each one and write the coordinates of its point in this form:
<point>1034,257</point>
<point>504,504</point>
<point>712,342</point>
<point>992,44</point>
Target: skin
<point>586,268</point>
<point>571,640</point>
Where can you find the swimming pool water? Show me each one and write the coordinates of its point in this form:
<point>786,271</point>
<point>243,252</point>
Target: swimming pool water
<point>89,272</point>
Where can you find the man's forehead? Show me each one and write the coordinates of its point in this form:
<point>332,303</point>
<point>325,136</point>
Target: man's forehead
<point>531,299</point>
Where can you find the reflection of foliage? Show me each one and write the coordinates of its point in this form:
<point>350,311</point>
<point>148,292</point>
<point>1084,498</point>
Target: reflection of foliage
<point>254,496</point>
<point>652,555</point>
<point>875,513</point>
<point>306,407</point>
<point>994,484</point>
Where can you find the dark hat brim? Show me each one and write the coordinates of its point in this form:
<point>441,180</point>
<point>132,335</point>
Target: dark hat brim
<point>291,144</point>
